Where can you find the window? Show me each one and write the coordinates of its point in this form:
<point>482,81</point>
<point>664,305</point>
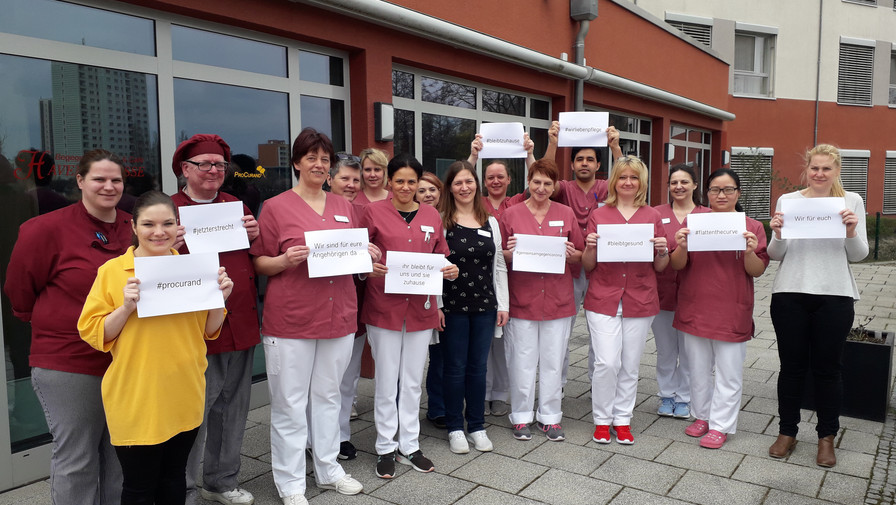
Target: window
<point>210,48</point>
<point>892,100</point>
<point>890,183</point>
<point>698,28</point>
<point>754,167</point>
<point>854,171</point>
<point>855,76</point>
<point>754,55</point>
<point>691,146</point>
<point>863,2</point>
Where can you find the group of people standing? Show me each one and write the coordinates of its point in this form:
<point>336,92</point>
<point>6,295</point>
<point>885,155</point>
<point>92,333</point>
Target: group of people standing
<point>162,420</point>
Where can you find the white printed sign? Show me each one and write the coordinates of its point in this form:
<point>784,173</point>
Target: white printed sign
<point>624,242</point>
<point>813,218</point>
<point>414,273</point>
<point>717,231</point>
<point>502,140</point>
<point>177,283</point>
<point>214,227</point>
<point>540,254</point>
<point>338,252</point>
<point>583,129</point>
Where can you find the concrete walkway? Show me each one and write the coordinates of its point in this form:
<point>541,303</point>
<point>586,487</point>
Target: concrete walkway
<point>664,466</point>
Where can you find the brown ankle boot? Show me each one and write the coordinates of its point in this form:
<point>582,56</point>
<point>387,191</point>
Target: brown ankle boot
<point>826,456</point>
<point>782,447</point>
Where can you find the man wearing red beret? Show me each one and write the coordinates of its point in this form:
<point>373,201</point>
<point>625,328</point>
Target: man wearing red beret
<point>203,161</point>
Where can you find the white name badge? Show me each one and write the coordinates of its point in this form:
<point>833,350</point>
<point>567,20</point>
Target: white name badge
<point>340,219</point>
<point>666,220</point>
<point>484,233</point>
<point>427,229</point>
<point>555,223</point>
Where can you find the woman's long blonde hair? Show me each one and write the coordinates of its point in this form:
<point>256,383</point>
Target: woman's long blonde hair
<point>834,153</point>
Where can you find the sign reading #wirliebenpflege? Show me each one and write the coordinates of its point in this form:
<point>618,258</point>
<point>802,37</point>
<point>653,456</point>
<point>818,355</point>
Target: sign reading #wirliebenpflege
<point>583,129</point>
<point>539,253</point>
<point>624,242</point>
<point>177,283</point>
<point>717,231</point>
<point>338,252</point>
<point>214,227</point>
<point>502,140</point>
<point>413,273</point>
<point>813,218</point>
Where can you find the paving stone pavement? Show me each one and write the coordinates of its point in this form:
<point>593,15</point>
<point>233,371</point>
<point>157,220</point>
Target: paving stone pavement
<point>664,466</point>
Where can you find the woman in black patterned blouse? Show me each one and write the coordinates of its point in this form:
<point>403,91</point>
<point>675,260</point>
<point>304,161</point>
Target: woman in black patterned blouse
<point>473,305</point>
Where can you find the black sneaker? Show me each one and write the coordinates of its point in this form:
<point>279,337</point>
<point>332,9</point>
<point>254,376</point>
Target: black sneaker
<point>385,465</point>
<point>347,450</point>
<point>438,422</point>
<point>416,460</point>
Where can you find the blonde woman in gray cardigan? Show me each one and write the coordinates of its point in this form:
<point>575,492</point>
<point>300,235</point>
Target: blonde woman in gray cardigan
<point>812,306</point>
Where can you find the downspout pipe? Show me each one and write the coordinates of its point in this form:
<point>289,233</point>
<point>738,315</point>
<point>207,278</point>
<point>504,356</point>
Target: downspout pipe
<point>424,26</point>
<point>579,48</point>
<point>818,72</point>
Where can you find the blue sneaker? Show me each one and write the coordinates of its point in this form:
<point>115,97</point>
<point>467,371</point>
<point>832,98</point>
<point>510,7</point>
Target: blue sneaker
<point>682,410</point>
<point>667,406</point>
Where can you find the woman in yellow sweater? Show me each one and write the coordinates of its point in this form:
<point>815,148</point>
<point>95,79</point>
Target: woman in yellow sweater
<point>154,390</point>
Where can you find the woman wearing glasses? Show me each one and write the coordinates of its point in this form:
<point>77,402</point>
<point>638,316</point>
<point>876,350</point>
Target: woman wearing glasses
<point>812,306</point>
<point>717,339</point>
<point>621,301</point>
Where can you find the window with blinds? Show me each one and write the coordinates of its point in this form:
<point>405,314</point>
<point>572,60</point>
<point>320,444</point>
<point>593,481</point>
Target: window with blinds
<point>855,74</point>
<point>854,174</point>
<point>890,186</point>
<point>755,172</point>
<point>698,32</point>
<point>863,2</point>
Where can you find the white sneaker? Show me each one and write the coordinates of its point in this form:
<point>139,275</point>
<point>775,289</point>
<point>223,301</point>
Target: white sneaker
<point>346,485</point>
<point>480,441</point>
<point>296,499</point>
<point>236,496</point>
<point>354,412</point>
<point>458,443</point>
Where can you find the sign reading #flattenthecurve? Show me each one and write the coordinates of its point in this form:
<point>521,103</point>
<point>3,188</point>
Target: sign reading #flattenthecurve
<point>717,231</point>
<point>215,227</point>
<point>338,252</point>
<point>414,273</point>
<point>583,129</point>
<point>502,140</point>
<point>177,283</point>
<point>813,218</point>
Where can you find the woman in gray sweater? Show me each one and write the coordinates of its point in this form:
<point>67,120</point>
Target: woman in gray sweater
<point>812,306</point>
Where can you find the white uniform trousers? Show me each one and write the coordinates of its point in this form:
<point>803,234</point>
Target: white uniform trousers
<point>348,388</point>
<point>400,358</point>
<point>672,375</point>
<point>579,288</point>
<point>303,375</point>
<point>531,346</point>
<point>497,380</point>
<point>618,343</point>
<point>716,401</point>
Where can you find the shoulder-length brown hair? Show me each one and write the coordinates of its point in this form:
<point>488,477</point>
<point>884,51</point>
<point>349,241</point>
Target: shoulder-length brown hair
<point>447,205</point>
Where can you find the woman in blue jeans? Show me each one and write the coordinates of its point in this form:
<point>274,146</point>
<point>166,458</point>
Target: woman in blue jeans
<point>473,305</point>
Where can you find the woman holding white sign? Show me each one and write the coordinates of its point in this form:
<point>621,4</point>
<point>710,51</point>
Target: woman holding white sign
<point>154,390</point>
<point>472,306</point>
<point>541,304</point>
<point>672,376</point>
<point>717,339</point>
<point>308,338</point>
<point>621,300</point>
<point>399,326</point>
<point>813,306</point>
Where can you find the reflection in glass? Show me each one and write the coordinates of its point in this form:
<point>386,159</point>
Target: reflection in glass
<point>503,103</point>
<point>447,93</point>
<point>539,109</point>
<point>325,115</point>
<point>678,133</point>
<point>209,48</point>
<point>404,132</point>
<point>77,24</point>
<point>50,114</point>
<point>402,84</point>
<point>540,137</point>
<point>320,68</point>
<point>645,126</point>
<point>446,139</point>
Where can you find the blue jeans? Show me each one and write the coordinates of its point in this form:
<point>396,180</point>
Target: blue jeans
<point>465,344</point>
<point>435,400</point>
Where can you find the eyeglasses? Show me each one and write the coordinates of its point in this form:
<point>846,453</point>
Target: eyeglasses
<point>206,166</point>
<point>714,191</point>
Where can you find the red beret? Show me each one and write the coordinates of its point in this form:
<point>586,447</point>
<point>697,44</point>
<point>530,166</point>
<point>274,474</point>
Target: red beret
<point>200,143</point>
